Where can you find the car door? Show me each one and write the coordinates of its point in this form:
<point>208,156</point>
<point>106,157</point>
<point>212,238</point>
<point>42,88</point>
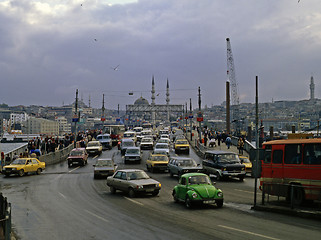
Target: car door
<point>123,182</point>
<point>182,188</point>
<point>28,167</point>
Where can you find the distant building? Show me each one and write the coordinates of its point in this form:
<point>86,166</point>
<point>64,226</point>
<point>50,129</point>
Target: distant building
<point>41,126</point>
<point>64,126</point>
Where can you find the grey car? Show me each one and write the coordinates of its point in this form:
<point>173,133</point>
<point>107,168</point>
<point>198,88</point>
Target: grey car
<point>133,182</point>
<point>133,154</point>
<point>180,165</point>
<point>104,168</point>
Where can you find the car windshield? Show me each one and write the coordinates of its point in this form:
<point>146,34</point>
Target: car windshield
<point>138,175</point>
<point>146,140</point>
<point>132,151</point>
<point>19,161</point>
<point>181,142</point>
<point>104,163</point>
<point>229,158</point>
<point>92,144</point>
<point>160,158</point>
<point>162,146</point>
<point>200,179</point>
<point>76,153</point>
<point>187,163</point>
<point>162,140</point>
<point>128,135</point>
<point>128,144</point>
<point>246,160</point>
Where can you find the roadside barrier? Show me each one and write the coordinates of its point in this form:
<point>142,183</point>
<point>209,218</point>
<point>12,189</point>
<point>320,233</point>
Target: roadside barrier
<point>57,156</point>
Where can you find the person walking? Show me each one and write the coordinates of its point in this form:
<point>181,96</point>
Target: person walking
<point>228,142</point>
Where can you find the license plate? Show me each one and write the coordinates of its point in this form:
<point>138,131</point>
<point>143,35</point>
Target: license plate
<point>209,201</point>
<point>150,190</point>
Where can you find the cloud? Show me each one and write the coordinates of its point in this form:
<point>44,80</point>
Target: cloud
<point>48,49</point>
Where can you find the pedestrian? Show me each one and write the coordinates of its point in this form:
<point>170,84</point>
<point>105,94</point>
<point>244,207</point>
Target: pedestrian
<point>228,141</point>
<point>240,145</point>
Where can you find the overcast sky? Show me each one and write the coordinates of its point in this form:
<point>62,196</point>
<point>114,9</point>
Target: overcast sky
<point>50,48</point>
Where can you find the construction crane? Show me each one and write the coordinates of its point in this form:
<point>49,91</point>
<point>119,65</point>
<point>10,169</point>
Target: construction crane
<point>235,106</point>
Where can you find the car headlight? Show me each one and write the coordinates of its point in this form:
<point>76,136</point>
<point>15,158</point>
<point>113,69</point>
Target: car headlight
<point>220,194</point>
<point>140,186</point>
<point>194,195</point>
<point>159,185</point>
<point>14,169</point>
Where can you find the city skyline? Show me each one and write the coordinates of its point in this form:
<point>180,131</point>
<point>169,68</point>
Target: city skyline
<point>104,47</point>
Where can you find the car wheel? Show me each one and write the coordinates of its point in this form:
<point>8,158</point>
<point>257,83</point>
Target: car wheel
<point>188,202</point>
<point>131,193</point>
<point>38,171</point>
<point>175,196</point>
<point>241,179</point>
<point>112,189</point>
<point>219,203</point>
<point>95,176</point>
<point>21,173</point>
<point>6,174</point>
<point>171,174</point>
<point>151,169</point>
<point>218,177</point>
<point>298,195</point>
<point>69,164</point>
<point>155,193</point>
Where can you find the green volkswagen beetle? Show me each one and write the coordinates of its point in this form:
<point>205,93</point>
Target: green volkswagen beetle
<point>196,188</point>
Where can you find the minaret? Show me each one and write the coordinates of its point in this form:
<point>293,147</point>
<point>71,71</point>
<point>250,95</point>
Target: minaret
<point>312,89</point>
<point>167,99</point>
<point>153,103</point>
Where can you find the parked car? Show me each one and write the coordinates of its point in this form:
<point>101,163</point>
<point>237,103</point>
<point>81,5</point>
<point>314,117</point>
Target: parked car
<point>146,143</point>
<point>197,188</point>
<point>157,162</point>
<point>78,156</point>
<point>94,148</point>
<point>125,143</point>
<point>164,146</point>
<point>105,141</point>
<point>133,181</point>
<point>180,165</point>
<point>104,167</point>
<point>133,154</point>
<point>22,166</point>
<point>181,145</point>
<point>223,164</point>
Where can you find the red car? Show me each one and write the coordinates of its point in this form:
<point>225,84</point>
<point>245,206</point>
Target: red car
<point>78,156</point>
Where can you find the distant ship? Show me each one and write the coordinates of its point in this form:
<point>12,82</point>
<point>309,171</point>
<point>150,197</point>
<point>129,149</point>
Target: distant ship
<point>16,136</point>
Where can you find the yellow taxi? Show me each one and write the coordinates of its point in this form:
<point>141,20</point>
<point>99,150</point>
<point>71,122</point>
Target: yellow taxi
<point>181,145</point>
<point>157,162</point>
<point>248,165</point>
<point>22,166</point>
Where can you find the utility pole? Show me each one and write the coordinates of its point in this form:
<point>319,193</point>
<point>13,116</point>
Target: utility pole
<point>103,111</point>
<point>76,117</point>
<point>190,117</point>
<point>186,117</point>
<point>200,115</point>
<point>257,137</point>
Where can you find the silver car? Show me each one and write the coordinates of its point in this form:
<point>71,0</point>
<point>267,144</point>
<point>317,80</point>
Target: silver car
<point>104,168</point>
<point>133,181</point>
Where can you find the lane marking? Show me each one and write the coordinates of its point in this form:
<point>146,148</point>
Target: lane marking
<point>74,169</point>
<point>95,215</point>
<point>95,157</point>
<point>246,191</point>
<point>251,233</point>
<point>62,195</point>
<point>134,201</point>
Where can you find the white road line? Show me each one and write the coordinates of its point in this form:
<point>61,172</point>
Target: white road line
<point>95,157</point>
<point>251,233</point>
<point>134,201</point>
<point>62,195</point>
<point>246,191</point>
<point>95,215</point>
<point>74,169</point>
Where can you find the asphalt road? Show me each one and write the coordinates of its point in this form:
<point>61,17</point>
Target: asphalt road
<point>68,203</point>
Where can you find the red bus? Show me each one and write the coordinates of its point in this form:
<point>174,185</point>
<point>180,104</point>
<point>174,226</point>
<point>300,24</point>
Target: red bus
<point>292,169</point>
<point>116,132</point>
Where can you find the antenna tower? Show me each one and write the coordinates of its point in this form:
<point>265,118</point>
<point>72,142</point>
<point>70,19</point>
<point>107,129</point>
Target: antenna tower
<point>231,78</point>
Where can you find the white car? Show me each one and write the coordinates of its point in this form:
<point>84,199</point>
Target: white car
<point>164,146</point>
<point>131,135</point>
<point>147,143</point>
<point>164,140</point>
<point>94,147</point>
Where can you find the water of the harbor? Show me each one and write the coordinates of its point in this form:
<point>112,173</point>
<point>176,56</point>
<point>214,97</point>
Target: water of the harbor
<point>9,147</point>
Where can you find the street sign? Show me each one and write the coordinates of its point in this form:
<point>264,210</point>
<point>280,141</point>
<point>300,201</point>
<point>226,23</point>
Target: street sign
<point>117,119</point>
<point>190,116</point>
<point>200,117</point>
<point>75,120</point>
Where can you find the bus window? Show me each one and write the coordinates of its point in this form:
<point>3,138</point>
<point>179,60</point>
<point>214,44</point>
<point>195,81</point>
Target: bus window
<point>292,154</point>
<point>312,154</point>
<point>277,156</point>
<point>267,155</point>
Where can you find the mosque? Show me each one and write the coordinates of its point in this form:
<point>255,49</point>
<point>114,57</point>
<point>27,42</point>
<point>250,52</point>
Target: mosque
<point>141,111</point>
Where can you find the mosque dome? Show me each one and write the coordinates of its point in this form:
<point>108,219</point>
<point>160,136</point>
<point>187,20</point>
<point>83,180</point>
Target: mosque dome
<point>141,101</point>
